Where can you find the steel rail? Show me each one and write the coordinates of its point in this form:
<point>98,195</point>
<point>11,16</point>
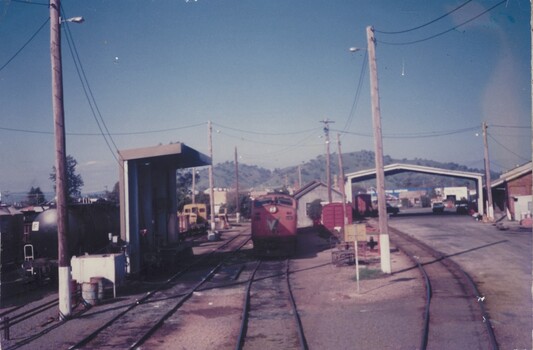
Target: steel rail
<point>480,301</point>
<point>300,328</point>
<point>429,294</point>
<point>245,310</point>
<point>449,264</point>
<point>150,294</point>
<point>13,320</point>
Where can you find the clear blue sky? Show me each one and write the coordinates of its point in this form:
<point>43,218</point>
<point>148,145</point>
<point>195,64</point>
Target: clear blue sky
<point>265,73</point>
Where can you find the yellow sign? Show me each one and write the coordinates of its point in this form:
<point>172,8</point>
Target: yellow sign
<point>360,232</point>
<point>349,233</point>
<point>353,232</point>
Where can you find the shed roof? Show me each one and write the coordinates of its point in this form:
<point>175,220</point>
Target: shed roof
<point>513,174</point>
<point>9,211</point>
<point>310,186</point>
<point>176,155</point>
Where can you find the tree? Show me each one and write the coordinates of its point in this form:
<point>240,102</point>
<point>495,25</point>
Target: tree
<point>244,204</point>
<point>314,210</point>
<point>114,195</point>
<point>35,196</point>
<point>74,181</point>
<point>183,188</point>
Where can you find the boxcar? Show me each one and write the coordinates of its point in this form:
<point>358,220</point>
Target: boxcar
<point>274,224</point>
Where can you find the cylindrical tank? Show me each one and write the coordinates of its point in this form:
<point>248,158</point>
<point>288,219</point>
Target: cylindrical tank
<point>88,230</point>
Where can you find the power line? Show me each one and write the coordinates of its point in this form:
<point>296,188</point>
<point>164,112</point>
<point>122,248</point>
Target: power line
<point>25,44</point>
<point>444,32</point>
<point>506,148</point>
<point>425,24</point>
<point>86,88</point>
<point>357,93</point>
<point>281,151</point>
<point>510,126</point>
<point>424,134</point>
<point>31,3</point>
<point>240,138</point>
<point>99,134</point>
<point>265,133</point>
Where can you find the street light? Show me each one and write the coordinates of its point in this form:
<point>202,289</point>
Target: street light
<point>78,19</point>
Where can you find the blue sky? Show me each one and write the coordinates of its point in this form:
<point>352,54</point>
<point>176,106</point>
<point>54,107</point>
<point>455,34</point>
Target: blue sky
<point>265,73</point>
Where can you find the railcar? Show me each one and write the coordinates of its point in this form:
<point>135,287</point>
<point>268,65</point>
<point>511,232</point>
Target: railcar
<point>274,223</point>
<point>89,230</point>
<point>193,220</point>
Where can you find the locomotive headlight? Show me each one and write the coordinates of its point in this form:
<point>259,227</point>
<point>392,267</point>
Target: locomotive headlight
<point>273,210</point>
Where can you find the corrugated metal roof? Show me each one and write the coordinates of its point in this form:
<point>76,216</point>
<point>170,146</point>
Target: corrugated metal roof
<point>178,155</point>
<point>9,211</point>
<point>513,174</point>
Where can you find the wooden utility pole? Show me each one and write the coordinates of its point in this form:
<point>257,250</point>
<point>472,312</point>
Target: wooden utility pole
<point>328,169</point>
<point>490,208</point>
<point>378,146</point>
<point>64,292</point>
<point>341,182</point>
<point>237,208</point>
<point>193,185</point>
<point>299,176</point>
<point>211,182</point>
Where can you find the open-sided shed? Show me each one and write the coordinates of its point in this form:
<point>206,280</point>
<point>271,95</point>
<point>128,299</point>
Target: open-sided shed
<point>392,169</point>
<point>148,197</point>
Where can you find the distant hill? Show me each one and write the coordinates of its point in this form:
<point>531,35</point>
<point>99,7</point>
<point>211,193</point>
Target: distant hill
<point>254,177</point>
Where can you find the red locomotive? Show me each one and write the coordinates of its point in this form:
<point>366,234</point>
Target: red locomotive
<point>274,224</point>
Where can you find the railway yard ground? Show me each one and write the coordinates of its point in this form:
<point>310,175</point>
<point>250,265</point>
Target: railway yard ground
<point>385,312</point>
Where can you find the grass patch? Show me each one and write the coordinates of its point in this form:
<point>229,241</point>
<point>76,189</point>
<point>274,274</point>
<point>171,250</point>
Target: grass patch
<point>368,274</point>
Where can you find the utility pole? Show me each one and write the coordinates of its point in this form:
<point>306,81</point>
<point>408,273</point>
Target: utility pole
<point>211,182</point>
<point>328,170</point>
<point>299,176</point>
<point>238,211</point>
<point>490,208</point>
<point>193,185</point>
<point>65,308</point>
<point>378,146</point>
<point>341,182</point>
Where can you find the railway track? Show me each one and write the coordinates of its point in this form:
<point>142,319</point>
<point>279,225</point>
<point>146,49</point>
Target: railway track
<point>270,318</point>
<point>27,326</point>
<point>454,315</point>
<point>136,324</point>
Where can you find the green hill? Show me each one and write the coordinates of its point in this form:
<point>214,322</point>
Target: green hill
<point>252,176</point>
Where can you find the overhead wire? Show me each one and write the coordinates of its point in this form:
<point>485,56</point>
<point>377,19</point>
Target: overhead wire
<point>510,126</point>
<point>425,24</point>
<point>443,32</point>
<point>280,151</point>
<point>100,134</point>
<point>25,44</point>
<point>255,141</point>
<point>88,92</point>
<point>424,134</point>
<point>262,132</point>
<point>506,148</point>
<point>357,93</point>
<point>31,3</point>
